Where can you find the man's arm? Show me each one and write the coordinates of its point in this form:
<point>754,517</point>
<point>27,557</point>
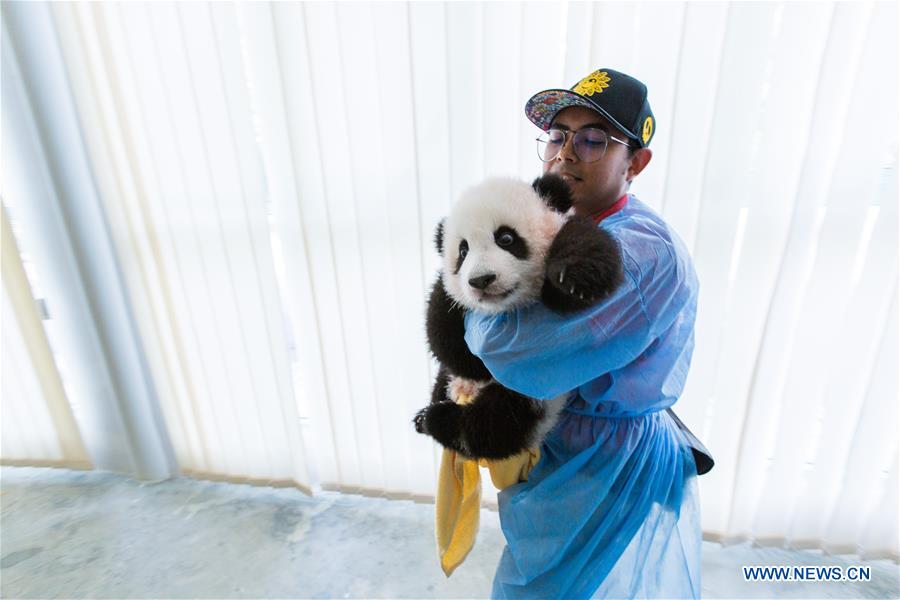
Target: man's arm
<point>542,354</point>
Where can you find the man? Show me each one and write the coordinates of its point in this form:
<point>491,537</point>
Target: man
<point>611,508</point>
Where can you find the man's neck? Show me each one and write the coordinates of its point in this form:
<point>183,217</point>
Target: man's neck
<point>597,214</point>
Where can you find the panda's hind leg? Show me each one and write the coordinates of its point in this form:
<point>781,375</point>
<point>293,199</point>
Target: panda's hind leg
<point>444,422</point>
<point>496,424</point>
<point>441,381</point>
<point>499,422</point>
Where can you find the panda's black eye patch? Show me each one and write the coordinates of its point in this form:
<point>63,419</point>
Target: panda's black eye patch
<point>510,240</point>
<point>463,251</point>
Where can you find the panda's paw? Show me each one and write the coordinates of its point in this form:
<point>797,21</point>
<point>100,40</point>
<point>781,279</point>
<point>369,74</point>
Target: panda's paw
<point>419,421</point>
<point>584,266</point>
<point>565,288</point>
<point>442,421</point>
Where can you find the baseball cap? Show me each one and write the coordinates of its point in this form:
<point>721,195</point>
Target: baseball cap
<point>620,98</point>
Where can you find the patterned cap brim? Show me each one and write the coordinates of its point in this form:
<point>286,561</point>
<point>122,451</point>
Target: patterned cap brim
<point>543,107</point>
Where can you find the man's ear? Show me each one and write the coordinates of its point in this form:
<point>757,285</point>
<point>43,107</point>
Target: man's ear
<point>439,237</point>
<point>638,161</point>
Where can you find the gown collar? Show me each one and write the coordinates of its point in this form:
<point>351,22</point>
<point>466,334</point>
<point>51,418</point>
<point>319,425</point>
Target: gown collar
<point>619,205</point>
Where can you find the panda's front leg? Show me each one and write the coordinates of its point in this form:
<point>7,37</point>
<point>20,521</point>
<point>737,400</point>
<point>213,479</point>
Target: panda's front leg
<point>446,333</point>
<point>584,266</point>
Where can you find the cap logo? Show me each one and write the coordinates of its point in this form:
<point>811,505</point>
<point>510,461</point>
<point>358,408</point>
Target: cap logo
<point>648,129</point>
<point>595,82</point>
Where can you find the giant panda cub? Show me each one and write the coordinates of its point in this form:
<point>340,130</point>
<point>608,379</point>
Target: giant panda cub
<point>506,245</point>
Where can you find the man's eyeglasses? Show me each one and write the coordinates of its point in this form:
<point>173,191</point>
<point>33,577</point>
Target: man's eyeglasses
<point>589,143</point>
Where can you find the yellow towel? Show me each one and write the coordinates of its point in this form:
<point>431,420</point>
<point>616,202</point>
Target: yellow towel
<point>458,502</point>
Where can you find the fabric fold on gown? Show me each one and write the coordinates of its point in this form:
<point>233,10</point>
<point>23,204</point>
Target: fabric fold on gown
<point>622,482</point>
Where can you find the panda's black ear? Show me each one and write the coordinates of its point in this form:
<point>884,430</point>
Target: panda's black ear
<point>439,237</point>
<point>555,192</point>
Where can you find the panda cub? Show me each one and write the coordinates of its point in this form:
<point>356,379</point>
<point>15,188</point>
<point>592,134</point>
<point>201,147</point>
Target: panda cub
<point>506,245</point>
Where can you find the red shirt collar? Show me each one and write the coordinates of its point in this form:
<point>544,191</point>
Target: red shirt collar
<point>619,205</point>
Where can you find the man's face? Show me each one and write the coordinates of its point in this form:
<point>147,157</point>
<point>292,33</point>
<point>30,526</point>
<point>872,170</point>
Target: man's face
<point>596,185</point>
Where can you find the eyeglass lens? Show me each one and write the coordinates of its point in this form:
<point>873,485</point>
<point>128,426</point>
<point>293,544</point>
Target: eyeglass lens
<point>589,144</point>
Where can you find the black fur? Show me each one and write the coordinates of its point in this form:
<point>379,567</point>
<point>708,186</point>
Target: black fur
<point>439,237</point>
<point>446,330</point>
<point>555,192</point>
<point>444,422</point>
<point>584,266</point>
<point>500,422</point>
<point>491,427</point>
<point>518,247</point>
<point>439,390</point>
<point>461,255</point>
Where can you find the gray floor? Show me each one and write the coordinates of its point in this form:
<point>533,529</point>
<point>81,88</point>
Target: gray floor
<point>98,535</point>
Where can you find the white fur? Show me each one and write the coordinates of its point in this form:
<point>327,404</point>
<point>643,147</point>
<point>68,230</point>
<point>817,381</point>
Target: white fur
<point>462,390</point>
<point>552,408</point>
<point>480,211</point>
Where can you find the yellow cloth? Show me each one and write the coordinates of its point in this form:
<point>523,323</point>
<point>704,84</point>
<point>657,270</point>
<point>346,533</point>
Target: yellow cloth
<point>458,501</point>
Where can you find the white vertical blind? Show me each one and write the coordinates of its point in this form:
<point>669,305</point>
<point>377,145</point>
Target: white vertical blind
<point>47,183</point>
<point>37,422</point>
<point>358,202</point>
<point>351,127</point>
<point>783,379</point>
<point>186,205</point>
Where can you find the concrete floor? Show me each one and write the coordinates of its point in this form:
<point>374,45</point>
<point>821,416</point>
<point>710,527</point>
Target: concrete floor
<point>99,535</point>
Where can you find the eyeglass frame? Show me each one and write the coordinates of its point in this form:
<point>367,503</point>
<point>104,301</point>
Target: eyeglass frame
<point>575,132</point>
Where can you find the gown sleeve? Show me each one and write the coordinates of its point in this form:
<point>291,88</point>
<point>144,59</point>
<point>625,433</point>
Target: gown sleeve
<point>541,354</point>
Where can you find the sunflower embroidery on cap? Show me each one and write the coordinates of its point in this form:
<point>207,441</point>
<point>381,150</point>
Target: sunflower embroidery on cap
<point>595,82</point>
<point>624,104</point>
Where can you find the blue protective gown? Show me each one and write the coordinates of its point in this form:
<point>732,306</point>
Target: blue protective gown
<point>611,508</point>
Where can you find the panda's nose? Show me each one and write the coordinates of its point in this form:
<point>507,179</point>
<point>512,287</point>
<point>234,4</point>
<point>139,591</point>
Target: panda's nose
<point>482,281</point>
